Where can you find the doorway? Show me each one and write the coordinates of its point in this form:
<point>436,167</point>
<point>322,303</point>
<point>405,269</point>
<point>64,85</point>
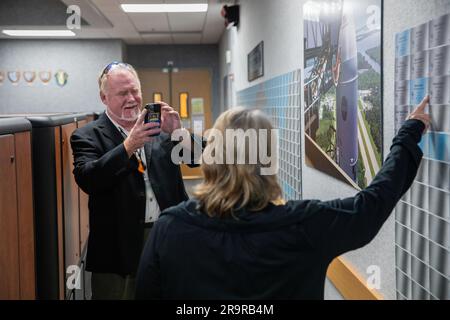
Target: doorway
<point>188,91</point>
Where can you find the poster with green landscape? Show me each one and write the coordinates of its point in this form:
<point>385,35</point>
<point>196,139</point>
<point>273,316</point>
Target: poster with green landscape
<point>342,88</point>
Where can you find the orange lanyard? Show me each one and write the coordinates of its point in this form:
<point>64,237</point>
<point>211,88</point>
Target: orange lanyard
<point>141,166</point>
<point>137,153</point>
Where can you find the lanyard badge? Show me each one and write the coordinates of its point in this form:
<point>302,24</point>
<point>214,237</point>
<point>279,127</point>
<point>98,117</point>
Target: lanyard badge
<point>141,167</point>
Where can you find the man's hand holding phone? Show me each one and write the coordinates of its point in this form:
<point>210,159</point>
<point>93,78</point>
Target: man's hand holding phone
<point>140,134</point>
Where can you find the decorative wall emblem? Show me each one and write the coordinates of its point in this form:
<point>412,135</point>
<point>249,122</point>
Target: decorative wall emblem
<point>45,76</point>
<point>14,77</point>
<point>29,76</point>
<point>61,78</point>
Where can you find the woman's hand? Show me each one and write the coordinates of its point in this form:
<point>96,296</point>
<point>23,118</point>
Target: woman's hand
<point>419,113</point>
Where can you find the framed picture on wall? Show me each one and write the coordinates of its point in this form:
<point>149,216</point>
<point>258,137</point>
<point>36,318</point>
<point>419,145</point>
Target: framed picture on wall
<point>342,88</point>
<point>255,62</point>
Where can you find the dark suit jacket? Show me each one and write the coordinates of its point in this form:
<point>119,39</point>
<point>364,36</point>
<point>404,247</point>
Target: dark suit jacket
<point>117,192</point>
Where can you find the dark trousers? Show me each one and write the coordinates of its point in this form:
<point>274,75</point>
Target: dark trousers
<point>111,286</point>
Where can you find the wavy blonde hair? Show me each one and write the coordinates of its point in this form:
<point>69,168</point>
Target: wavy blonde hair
<point>230,187</point>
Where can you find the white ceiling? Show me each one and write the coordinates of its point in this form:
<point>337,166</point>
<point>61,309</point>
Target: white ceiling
<point>108,21</point>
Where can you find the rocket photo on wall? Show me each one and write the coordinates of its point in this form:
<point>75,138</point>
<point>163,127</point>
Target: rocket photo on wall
<point>342,88</point>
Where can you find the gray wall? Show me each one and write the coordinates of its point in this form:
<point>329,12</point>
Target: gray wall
<point>274,22</point>
<point>183,56</point>
<point>83,60</point>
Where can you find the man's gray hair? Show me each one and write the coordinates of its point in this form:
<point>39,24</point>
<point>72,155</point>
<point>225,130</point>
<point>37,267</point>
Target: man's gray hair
<point>103,77</point>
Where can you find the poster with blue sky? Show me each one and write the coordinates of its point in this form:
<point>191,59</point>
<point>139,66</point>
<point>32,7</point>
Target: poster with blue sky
<point>342,88</point>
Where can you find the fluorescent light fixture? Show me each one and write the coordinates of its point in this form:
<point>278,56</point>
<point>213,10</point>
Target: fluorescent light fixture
<point>186,7</point>
<point>39,33</point>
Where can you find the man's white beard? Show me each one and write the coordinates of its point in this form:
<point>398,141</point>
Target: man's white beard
<point>127,115</point>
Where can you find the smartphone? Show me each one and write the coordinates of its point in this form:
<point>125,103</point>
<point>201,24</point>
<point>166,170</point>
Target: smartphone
<point>153,114</point>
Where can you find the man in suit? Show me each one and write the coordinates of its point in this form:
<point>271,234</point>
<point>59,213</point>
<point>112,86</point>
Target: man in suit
<point>129,177</point>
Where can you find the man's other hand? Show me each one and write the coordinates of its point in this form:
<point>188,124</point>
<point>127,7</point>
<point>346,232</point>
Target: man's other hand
<point>170,119</point>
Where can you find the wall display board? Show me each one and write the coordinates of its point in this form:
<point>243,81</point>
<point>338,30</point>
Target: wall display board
<point>422,66</point>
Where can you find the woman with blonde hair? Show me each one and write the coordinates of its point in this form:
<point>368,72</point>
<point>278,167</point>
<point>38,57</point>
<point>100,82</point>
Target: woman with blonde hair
<point>237,240</point>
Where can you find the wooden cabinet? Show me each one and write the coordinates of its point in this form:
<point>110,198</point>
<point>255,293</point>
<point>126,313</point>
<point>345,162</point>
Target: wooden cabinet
<point>58,208</point>
<point>9,236</point>
<point>41,239</point>
<point>17,241</point>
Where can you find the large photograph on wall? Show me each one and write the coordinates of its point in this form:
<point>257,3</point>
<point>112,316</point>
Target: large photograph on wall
<point>342,88</point>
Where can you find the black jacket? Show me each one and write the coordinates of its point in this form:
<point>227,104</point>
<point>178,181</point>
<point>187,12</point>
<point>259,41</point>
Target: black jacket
<point>282,252</point>
<point>117,192</point>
